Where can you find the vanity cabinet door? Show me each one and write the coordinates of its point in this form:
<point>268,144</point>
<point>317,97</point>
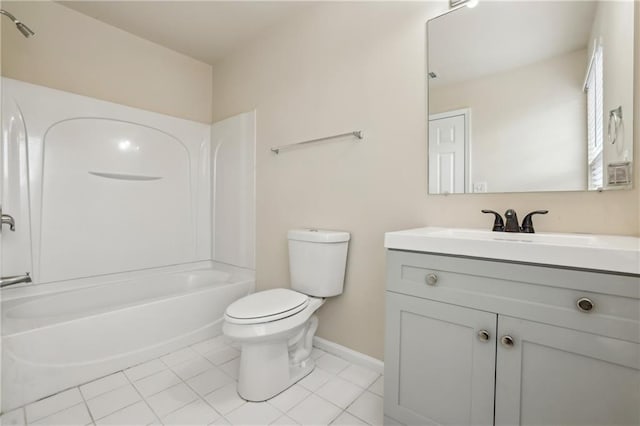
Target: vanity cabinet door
<point>439,362</point>
<point>548,375</point>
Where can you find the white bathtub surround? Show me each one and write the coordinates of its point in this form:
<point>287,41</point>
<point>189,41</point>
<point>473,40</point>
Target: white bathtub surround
<point>106,199</point>
<point>107,326</point>
<point>233,144</point>
<point>99,188</point>
<point>154,393</point>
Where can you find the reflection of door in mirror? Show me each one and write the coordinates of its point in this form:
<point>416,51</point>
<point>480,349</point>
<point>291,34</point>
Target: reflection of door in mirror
<point>448,151</point>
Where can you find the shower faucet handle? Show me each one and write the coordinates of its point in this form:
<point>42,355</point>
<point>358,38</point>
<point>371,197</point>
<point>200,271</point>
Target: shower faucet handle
<point>498,224</point>
<point>527,222</point>
<point>8,220</point>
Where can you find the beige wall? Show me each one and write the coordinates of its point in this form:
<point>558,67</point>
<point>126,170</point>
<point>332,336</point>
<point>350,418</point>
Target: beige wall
<point>528,125</point>
<point>348,66</point>
<point>79,54</point>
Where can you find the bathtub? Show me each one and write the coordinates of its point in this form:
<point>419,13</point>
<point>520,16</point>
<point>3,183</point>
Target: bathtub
<point>60,335</point>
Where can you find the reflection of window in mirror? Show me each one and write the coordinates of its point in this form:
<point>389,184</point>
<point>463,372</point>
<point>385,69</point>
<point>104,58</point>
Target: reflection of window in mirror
<point>595,98</point>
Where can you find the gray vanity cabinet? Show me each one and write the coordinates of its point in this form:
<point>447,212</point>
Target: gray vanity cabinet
<point>556,376</point>
<point>440,371</point>
<point>463,334</point>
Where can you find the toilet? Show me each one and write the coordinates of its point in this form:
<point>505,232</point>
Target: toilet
<point>275,328</point>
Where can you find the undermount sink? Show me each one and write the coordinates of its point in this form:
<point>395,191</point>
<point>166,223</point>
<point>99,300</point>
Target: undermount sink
<point>588,251</point>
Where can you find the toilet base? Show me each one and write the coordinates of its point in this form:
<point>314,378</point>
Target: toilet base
<point>265,371</point>
<point>267,368</point>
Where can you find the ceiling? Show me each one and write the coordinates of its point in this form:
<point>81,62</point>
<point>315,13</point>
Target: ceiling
<point>501,35</point>
<point>467,43</point>
<point>205,30</point>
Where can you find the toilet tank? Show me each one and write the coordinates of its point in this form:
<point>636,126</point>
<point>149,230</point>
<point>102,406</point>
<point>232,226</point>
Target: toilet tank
<point>317,261</point>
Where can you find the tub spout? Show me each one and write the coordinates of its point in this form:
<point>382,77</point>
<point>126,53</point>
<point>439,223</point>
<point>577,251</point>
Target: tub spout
<point>18,279</point>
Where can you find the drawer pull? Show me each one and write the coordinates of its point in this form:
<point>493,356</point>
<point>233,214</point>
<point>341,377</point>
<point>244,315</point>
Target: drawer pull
<point>584,304</point>
<point>507,341</point>
<point>432,279</point>
<point>483,335</point>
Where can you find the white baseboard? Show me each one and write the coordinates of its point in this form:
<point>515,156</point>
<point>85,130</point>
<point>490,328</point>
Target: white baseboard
<point>350,355</point>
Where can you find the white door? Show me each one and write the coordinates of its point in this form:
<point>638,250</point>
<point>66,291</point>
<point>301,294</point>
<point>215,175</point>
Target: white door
<point>438,369</point>
<point>447,152</point>
<point>556,376</point>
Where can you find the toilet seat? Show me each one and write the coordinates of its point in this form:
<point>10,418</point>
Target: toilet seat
<point>266,306</point>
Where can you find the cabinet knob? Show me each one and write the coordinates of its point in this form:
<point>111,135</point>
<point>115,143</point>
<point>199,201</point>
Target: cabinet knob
<point>432,279</point>
<point>584,304</point>
<point>483,335</point>
<point>507,341</point>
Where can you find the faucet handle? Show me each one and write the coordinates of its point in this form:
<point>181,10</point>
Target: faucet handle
<point>527,222</point>
<point>498,224</point>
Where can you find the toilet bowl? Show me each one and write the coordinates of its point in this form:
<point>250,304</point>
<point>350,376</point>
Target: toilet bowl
<point>275,348</point>
<point>275,328</point>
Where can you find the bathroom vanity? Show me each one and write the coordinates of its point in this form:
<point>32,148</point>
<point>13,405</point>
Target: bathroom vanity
<point>495,328</point>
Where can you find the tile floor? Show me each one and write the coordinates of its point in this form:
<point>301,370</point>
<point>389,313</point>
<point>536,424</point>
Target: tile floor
<point>196,385</point>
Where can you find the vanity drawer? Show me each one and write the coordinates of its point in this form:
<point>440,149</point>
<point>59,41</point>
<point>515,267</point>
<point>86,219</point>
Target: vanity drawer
<point>609,303</point>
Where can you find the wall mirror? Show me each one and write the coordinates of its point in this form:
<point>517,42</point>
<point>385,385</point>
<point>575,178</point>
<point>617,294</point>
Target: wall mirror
<point>531,96</point>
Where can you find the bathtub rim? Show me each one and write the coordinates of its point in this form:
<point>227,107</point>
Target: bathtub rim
<point>37,289</point>
<point>237,276</point>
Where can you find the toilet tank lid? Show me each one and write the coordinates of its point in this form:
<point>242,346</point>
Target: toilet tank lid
<point>318,235</point>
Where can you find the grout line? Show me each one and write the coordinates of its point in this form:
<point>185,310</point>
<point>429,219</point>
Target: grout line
<point>361,392</point>
<point>252,402</point>
<point>202,398</point>
<point>354,415</point>
<point>24,415</point>
<point>24,407</point>
<point>223,418</point>
<point>102,393</point>
<point>311,393</point>
<point>143,399</point>
<point>192,360</point>
<point>354,400</point>
<point>199,374</point>
<point>148,375</point>
<point>86,406</point>
<point>173,411</point>
<point>119,409</point>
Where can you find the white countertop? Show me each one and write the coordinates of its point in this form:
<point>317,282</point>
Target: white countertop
<point>587,251</point>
